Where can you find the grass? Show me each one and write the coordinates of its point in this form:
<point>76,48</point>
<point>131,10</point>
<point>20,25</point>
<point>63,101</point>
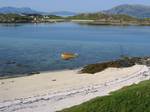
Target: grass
<point>135,98</point>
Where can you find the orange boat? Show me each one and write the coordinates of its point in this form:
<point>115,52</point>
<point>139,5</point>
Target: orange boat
<point>68,56</point>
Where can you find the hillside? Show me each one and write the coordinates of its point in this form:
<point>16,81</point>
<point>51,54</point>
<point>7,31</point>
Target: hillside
<point>14,18</point>
<point>26,10</point>
<point>63,13</point>
<point>108,19</point>
<point>135,98</point>
<point>100,16</point>
<point>140,11</point>
<point>14,10</point>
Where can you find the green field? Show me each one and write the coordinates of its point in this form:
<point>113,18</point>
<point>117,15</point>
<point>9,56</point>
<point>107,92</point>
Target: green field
<point>135,98</point>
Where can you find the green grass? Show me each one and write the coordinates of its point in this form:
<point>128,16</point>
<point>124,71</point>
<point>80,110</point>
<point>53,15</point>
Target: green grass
<point>135,98</point>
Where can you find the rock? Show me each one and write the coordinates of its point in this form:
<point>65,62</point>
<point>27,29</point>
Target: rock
<point>32,73</point>
<point>54,80</point>
<point>2,83</point>
<point>98,67</point>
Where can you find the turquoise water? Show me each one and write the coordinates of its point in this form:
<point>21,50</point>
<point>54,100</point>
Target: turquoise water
<point>25,48</point>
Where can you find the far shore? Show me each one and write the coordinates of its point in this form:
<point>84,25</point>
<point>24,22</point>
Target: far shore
<point>87,22</point>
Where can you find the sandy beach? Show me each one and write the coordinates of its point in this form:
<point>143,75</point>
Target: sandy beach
<point>53,91</point>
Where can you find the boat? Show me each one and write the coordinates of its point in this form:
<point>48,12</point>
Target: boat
<point>68,56</point>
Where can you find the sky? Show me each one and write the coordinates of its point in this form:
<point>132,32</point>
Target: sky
<point>70,5</point>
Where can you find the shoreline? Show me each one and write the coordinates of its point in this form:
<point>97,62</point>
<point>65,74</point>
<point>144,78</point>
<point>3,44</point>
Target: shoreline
<point>54,91</point>
<point>93,68</point>
<point>85,22</point>
<point>38,72</point>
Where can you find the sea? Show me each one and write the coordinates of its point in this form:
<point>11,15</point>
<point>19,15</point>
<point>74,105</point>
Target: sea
<point>28,48</point>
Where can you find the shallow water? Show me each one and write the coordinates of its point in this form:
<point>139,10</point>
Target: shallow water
<point>37,47</point>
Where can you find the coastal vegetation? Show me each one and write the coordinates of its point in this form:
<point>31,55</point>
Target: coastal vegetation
<point>98,16</point>
<point>27,18</point>
<point>85,18</point>
<point>109,19</point>
<point>134,98</point>
<point>14,18</point>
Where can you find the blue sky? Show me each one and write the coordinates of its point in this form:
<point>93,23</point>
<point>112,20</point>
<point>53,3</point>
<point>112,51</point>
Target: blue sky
<point>70,5</point>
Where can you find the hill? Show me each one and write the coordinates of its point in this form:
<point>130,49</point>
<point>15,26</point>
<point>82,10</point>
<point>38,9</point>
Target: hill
<point>14,10</point>
<point>135,98</point>
<point>26,10</point>
<point>101,16</point>
<point>140,11</point>
<point>63,13</point>
<point>108,19</point>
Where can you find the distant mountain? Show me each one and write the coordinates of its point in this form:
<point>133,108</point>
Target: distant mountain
<point>140,11</point>
<point>63,13</point>
<point>15,10</point>
<point>26,10</point>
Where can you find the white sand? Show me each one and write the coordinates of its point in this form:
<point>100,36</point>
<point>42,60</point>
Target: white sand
<point>48,92</point>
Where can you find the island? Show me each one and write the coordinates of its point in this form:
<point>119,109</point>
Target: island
<point>85,18</point>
